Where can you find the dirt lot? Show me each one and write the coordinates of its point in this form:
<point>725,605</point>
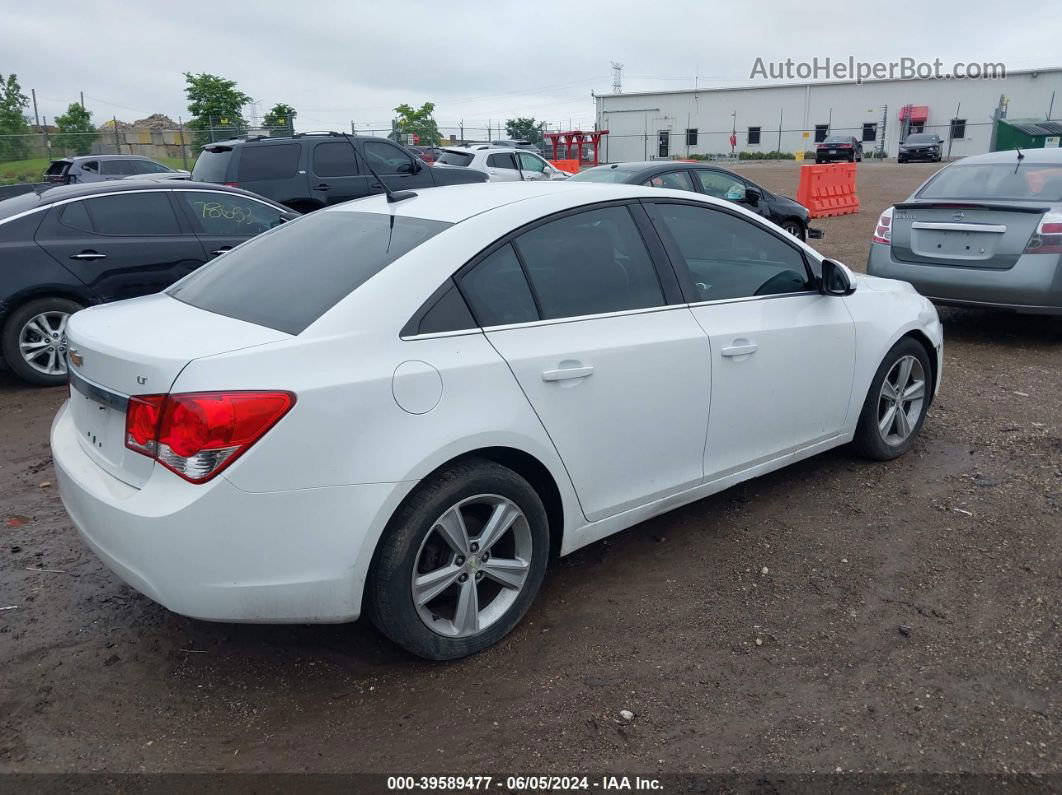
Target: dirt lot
<point>908,619</point>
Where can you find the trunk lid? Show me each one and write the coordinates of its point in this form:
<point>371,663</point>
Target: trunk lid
<point>139,347</point>
<point>964,234</point>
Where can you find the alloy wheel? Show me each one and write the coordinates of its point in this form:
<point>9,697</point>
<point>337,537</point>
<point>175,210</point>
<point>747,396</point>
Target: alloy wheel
<point>42,342</point>
<point>472,565</point>
<point>901,401</point>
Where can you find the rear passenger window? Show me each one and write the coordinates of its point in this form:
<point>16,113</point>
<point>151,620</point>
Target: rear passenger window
<point>139,213</point>
<point>729,257</point>
<point>497,290</point>
<point>271,161</point>
<point>92,167</point>
<point>116,167</point>
<point>334,160</point>
<point>504,160</point>
<point>677,180</point>
<point>590,263</point>
<point>76,217</point>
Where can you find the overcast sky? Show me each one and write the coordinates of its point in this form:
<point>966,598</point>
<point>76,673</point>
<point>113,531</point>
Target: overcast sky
<point>338,62</point>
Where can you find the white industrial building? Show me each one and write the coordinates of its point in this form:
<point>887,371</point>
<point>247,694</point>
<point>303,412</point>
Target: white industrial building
<point>677,124</point>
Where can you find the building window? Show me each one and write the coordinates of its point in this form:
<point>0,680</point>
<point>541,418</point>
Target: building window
<point>691,136</point>
<point>916,127</point>
<point>754,135</point>
<point>821,131</point>
<point>958,128</point>
<point>870,131</point>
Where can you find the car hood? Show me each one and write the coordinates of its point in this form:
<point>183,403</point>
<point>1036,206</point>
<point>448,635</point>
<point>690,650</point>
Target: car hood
<point>878,284</point>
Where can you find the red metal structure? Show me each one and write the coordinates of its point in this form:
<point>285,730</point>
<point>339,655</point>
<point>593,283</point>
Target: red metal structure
<point>564,143</point>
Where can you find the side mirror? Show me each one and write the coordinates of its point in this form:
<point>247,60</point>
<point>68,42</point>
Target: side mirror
<point>752,196</point>
<point>834,279</point>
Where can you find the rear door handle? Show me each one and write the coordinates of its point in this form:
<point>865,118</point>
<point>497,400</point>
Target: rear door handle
<point>88,255</point>
<point>322,186</point>
<point>219,251</point>
<point>567,373</point>
<point>740,350</point>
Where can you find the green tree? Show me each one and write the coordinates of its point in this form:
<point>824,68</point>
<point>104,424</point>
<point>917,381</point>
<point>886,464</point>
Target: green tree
<point>76,132</point>
<point>419,122</point>
<point>525,129</point>
<point>216,106</point>
<point>281,117</point>
<point>12,121</point>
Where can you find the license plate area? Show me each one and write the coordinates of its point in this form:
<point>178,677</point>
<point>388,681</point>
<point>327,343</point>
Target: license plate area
<point>954,245</point>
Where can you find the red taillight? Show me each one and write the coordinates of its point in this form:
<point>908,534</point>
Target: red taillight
<point>233,184</point>
<point>1047,239</point>
<point>198,434</point>
<point>883,231</point>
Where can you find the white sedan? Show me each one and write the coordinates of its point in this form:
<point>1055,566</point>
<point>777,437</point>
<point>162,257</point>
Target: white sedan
<point>402,408</point>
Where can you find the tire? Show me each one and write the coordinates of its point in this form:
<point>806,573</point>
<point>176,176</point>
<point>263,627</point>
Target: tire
<point>878,438</point>
<point>794,227</point>
<point>31,323</point>
<point>416,545</point>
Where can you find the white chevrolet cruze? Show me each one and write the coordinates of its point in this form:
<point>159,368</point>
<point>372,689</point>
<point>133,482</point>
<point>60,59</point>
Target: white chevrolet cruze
<point>403,408</point>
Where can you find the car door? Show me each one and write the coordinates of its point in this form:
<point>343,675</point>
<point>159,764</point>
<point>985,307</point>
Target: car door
<point>533,167</point>
<point>617,373</point>
<point>676,180</point>
<point>783,355</point>
<point>503,167</point>
<point>397,167</point>
<point>335,174</point>
<point>121,245</point>
<point>223,220</point>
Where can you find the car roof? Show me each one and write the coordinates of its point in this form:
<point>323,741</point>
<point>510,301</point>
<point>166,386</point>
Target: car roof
<point>1011,156</point>
<point>63,192</point>
<point>456,203</point>
<point>79,158</point>
<point>287,139</point>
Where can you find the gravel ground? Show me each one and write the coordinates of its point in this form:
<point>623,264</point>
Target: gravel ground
<point>893,617</point>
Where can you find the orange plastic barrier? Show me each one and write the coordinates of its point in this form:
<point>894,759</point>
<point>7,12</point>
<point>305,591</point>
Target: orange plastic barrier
<point>571,166</point>
<point>828,189</point>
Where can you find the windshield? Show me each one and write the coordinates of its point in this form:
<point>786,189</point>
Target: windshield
<point>448,158</point>
<point>288,277</point>
<point>921,139</point>
<point>603,174</point>
<point>1033,182</point>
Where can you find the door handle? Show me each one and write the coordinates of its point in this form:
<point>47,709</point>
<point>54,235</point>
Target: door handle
<point>322,186</point>
<point>219,251</point>
<point>88,255</point>
<point>567,373</point>
<point>740,350</point>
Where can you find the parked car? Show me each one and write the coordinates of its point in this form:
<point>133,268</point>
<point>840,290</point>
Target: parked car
<point>426,153</point>
<point>77,245</point>
<point>311,170</point>
<point>839,147</point>
<point>100,168</point>
<point>985,231</point>
<point>467,380</point>
<point>500,163</point>
<point>921,146</point>
<point>710,180</point>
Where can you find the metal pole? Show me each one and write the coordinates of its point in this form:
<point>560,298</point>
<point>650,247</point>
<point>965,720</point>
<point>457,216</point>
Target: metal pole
<point>210,121</point>
<point>82,100</point>
<point>184,149</point>
<point>951,128</point>
<point>36,118</point>
<point>352,130</point>
<point>780,110</point>
<point>1051,107</point>
<point>117,141</point>
<point>47,141</point>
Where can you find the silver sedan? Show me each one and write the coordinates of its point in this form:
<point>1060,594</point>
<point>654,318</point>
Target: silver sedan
<point>983,232</point>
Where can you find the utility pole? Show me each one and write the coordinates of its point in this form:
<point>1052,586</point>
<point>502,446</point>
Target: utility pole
<point>36,118</point>
<point>780,111</point>
<point>617,78</point>
<point>951,128</point>
<point>884,121</point>
<point>184,149</point>
<point>82,100</point>
<point>47,140</point>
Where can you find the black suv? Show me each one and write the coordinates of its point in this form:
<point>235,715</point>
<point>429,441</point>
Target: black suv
<point>310,170</point>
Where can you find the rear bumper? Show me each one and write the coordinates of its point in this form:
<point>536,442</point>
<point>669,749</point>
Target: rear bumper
<point>218,553</point>
<point>840,156</point>
<point>1032,286</point>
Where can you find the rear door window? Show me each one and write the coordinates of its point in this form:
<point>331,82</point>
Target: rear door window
<point>143,213</point>
<point>270,161</point>
<point>501,160</point>
<point>91,167</point>
<point>497,290</point>
<point>287,278</point>
<point>76,216</point>
<point>334,159</point>
<point>113,168</point>
<point>677,180</point>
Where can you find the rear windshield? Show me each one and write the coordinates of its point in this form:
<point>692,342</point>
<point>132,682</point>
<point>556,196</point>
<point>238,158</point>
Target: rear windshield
<point>838,139</point>
<point>212,165</point>
<point>1033,182</point>
<point>449,158</point>
<point>600,174</point>
<point>920,138</point>
<point>289,276</point>
<point>58,167</point>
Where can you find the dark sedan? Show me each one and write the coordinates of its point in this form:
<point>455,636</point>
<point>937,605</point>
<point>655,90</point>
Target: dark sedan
<point>792,216</point>
<point>921,146</point>
<point>843,148</point>
<point>71,246</point>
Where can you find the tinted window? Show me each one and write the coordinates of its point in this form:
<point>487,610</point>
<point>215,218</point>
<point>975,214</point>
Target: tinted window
<point>1035,181</point>
<point>721,185</point>
<point>449,313</point>
<point>501,161</point>
<point>58,167</point>
<point>140,213</point>
<point>272,161</point>
<point>290,276</point>
<point>212,165</point>
<point>117,167</point>
<point>497,290</point>
<point>590,263</point>
<point>821,130</point>
<point>602,174</point>
<point>229,213</point>
<point>334,159</point>
<point>446,157</point>
<point>870,132</point>
<point>91,167</point>
<point>729,257</point>
<point>528,162</point>
<point>75,216</point>
<point>386,157</point>
<point>754,135</point>
<point>679,180</point>
<point>150,167</point>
